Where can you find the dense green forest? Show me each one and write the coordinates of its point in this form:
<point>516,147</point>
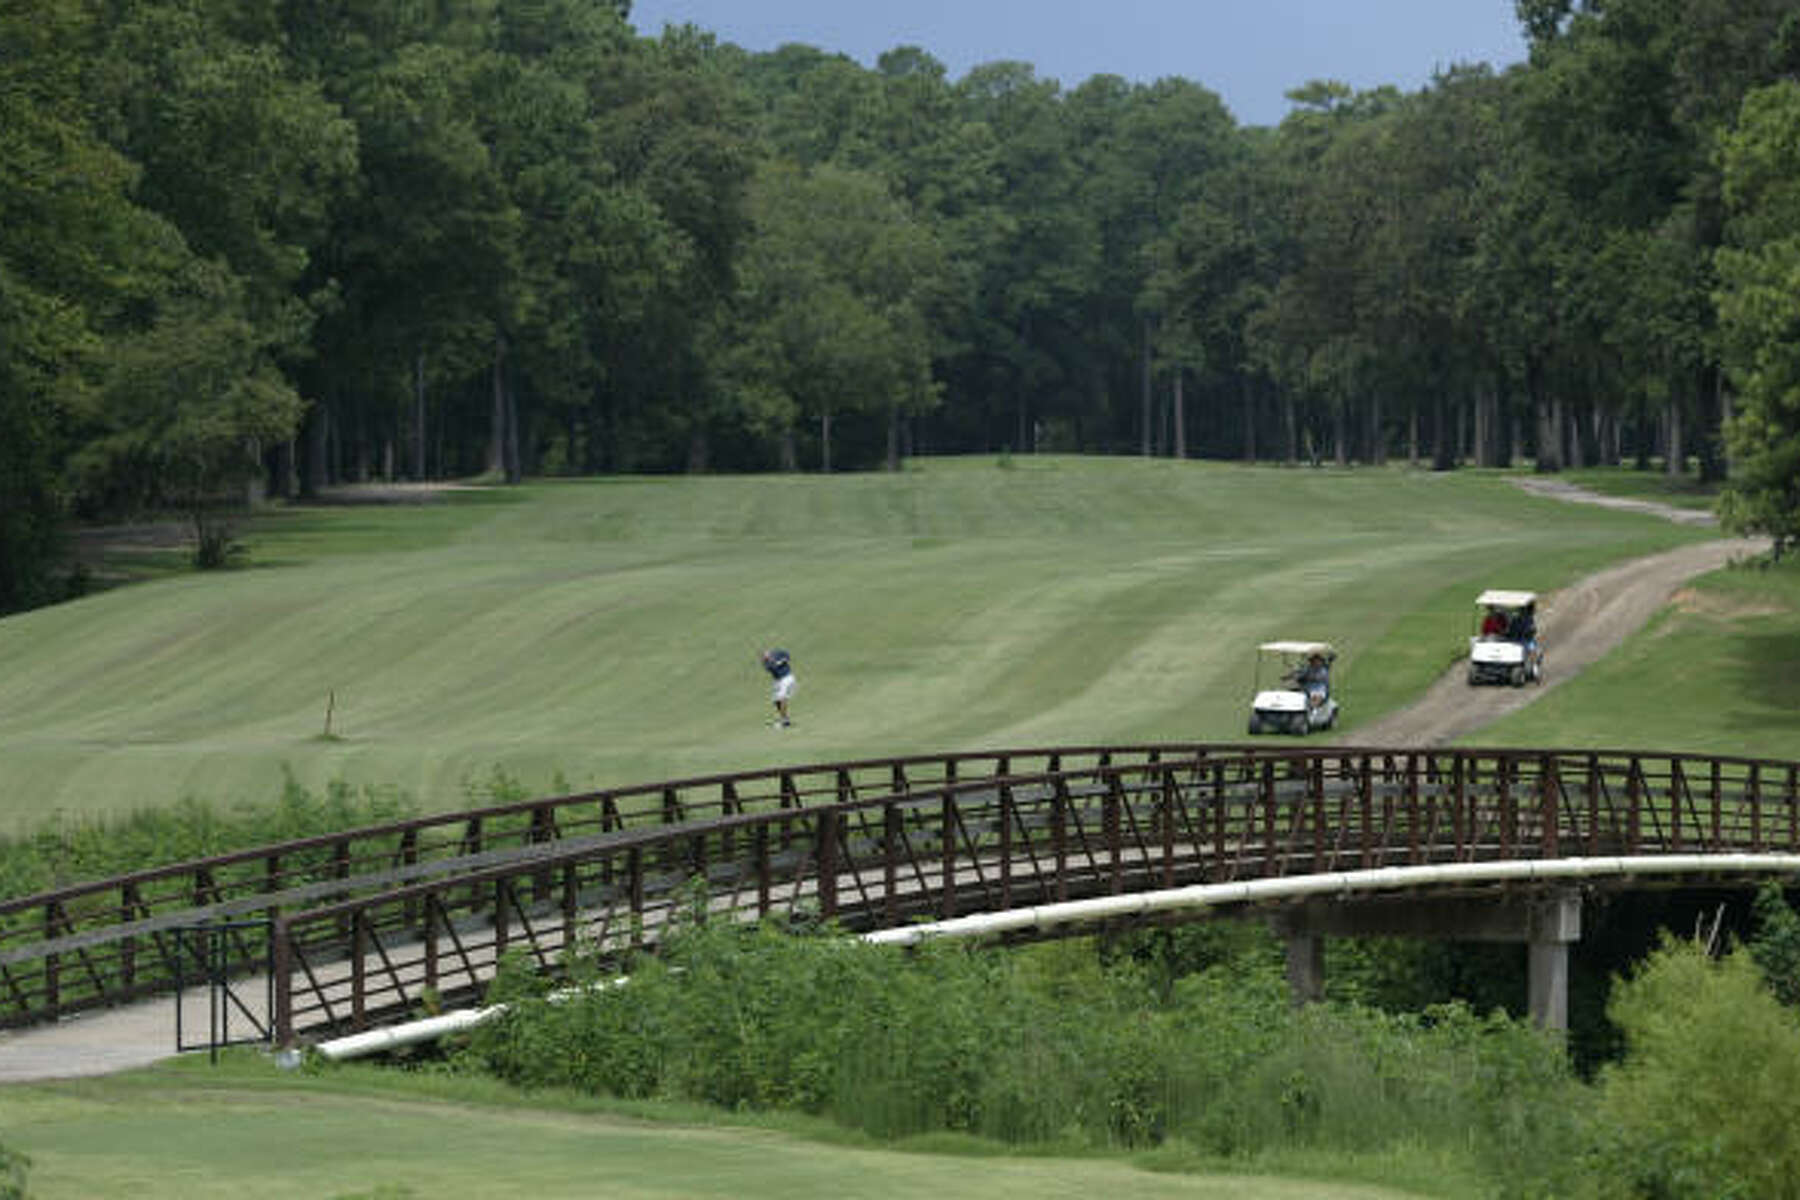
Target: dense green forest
<point>254,247</point>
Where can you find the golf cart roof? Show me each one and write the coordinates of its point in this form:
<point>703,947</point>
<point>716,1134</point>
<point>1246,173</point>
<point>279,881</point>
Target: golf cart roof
<point>1307,648</point>
<point>1498,598</point>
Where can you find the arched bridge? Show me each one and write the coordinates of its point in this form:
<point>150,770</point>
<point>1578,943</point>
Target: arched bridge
<point>371,925</point>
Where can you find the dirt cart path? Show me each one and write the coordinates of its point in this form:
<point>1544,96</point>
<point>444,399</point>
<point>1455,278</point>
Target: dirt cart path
<point>1581,623</point>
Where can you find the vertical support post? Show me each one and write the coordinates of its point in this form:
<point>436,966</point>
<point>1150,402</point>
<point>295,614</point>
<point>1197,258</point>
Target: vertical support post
<point>1718,808</point>
<point>1594,783</point>
<point>281,978</point>
<point>1459,798</point>
<point>892,830</point>
<point>128,909</point>
<point>761,840</point>
<point>1365,800</point>
<point>1555,924</point>
<point>431,940</point>
<point>1634,805</point>
<point>1549,806</point>
<point>1059,835</point>
<point>826,857</point>
<point>1165,824</point>
<point>1109,819</point>
<point>1315,783</point>
<point>53,962</point>
<point>1305,964</point>
<point>1006,844</point>
<point>1754,788</point>
<point>571,910</point>
<point>502,919</point>
<point>1507,768</point>
<point>947,889</point>
<point>1678,792</point>
<point>359,950</point>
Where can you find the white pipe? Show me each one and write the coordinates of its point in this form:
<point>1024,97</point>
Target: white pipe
<point>1206,895</point>
<point>1336,883</point>
<point>461,1020</point>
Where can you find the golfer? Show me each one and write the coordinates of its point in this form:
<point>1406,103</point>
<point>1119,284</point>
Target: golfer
<point>781,669</point>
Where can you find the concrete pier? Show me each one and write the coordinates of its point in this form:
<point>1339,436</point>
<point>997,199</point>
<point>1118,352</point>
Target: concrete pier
<point>1546,923</point>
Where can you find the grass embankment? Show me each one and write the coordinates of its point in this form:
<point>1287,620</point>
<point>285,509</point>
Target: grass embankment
<point>594,633</point>
<point>186,1131</point>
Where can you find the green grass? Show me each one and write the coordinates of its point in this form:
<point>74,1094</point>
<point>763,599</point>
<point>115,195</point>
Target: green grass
<point>187,1131</point>
<point>594,633</point>
<point>1717,672</point>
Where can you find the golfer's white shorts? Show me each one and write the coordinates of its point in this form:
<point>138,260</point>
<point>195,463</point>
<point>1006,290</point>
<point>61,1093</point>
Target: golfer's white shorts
<point>784,687</point>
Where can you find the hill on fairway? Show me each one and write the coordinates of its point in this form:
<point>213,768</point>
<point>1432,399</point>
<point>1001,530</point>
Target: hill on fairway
<point>591,633</point>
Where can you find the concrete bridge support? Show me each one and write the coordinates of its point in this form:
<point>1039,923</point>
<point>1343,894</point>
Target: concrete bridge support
<point>1546,923</point>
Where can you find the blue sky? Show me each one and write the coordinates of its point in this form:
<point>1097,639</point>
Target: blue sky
<point>1248,51</point>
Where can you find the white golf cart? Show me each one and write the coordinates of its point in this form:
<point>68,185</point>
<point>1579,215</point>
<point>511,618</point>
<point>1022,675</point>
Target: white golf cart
<point>1293,688</point>
<point>1505,647</point>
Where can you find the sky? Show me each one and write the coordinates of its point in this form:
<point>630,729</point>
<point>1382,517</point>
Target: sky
<point>1250,52</point>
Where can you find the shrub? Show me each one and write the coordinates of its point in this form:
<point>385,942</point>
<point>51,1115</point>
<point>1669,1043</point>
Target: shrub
<point>12,1173</point>
<point>1044,1045</point>
<point>1707,1096</point>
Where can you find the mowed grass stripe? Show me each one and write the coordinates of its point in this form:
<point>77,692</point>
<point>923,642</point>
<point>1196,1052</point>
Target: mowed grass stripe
<point>593,633</point>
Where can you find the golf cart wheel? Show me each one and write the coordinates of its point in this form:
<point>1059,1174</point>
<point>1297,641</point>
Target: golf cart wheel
<point>1256,725</point>
<point>1518,676</point>
<point>1302,725</point>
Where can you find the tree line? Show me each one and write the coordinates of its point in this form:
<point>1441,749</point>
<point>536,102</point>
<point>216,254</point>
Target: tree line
<point>269,245</point>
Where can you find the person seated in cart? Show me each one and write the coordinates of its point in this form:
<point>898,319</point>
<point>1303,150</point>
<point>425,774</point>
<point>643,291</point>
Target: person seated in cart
<point>1314,678</point>
<point>1494,624</point>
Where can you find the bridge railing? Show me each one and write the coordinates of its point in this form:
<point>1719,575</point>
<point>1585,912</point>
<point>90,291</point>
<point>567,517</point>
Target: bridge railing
<point>1012,840</point>
<point>109,941</point>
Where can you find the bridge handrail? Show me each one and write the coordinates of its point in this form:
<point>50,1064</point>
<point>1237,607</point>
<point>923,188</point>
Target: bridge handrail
<point>141,904</point>
<point>115,951</point>
<point>1269,815</point>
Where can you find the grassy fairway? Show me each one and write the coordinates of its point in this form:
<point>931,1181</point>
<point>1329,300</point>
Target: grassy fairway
<point>604,632</point>
<point>187,1133</point>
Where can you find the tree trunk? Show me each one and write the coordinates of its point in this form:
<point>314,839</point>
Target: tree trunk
<point>1249,390</point>
<point>1412,435</point>
<point>418,438</point>
<point>1290,419</point>
<point>893,437</point>
<point>1340,431</point>
<point>318,422</point>
<point>1675,464</point>
<point>825,442</point>
<point>496,463</point>
<point>1180,415</point>
<point>790,454</point>
<point>1483,435</point>
<point>1145,387</point>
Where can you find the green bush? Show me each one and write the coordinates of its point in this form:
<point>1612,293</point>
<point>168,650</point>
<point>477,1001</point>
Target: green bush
<point>1707,1097</point>
<point>12,1173</point>
<point>1043,1045</point>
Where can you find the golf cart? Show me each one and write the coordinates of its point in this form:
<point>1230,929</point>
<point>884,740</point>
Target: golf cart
<point>1293,688</point>
<point>1505,648</point>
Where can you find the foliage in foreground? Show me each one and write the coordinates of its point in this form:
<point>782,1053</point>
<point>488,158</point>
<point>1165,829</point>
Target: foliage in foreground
<point>12,1173</point>
<point>1707,1097</point>
<point>1043,1048</point>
